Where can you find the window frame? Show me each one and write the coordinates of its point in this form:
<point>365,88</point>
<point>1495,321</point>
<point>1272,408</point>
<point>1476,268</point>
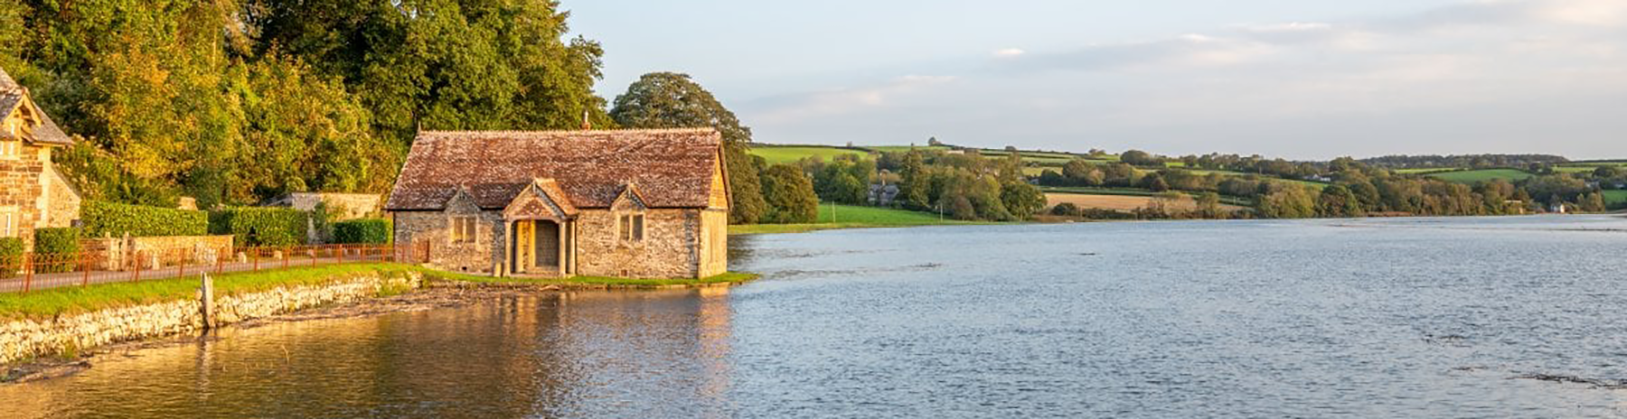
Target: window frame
<point>630,227</point>
<point>463,229</point>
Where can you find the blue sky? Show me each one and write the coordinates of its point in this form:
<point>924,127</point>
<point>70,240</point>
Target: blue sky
<point>1290,78</point>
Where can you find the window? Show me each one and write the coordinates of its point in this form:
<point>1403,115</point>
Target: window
<point>465,230</point>
<point>8,222</point>
<point>632,227</point>
<point>9,148</point>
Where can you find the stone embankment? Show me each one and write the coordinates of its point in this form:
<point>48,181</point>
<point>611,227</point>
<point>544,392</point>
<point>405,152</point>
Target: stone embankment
<point>22,340</point>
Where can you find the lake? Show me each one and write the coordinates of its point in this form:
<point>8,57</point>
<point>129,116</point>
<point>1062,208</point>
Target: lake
<point>1430,317</point>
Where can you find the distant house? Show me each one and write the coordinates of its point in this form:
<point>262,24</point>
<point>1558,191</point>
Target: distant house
<point>340,206</point>
<point>1558,208</point>
<point>882,194</point>
<point>635,204</point>
<point>33,194</point>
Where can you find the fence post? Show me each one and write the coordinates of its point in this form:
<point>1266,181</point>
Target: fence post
<point>84,265</point>
<point>207,295</point>
<point>220,261</point>
<point>256,258</point>
<point>28,272</point>
<point>138,268</point>
<point>181,271</point>
<point>286,253</point>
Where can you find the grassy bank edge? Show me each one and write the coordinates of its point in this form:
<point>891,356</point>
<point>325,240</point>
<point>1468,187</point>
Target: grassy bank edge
<point>68,301</point>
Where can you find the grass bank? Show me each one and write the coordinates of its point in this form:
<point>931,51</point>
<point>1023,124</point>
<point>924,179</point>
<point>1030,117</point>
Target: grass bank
<point>839,217</point>
<point>46,304</point>
<point>67,301</point>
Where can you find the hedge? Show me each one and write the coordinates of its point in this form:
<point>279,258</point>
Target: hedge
<point>363,231</point>
<point>116,219</point>
<point>261,226</point>
<point>11,256</point>
<point>57,248</point>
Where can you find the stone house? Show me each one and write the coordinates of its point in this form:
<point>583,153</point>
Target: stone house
<point>33,193</point>
<point>630,204</point>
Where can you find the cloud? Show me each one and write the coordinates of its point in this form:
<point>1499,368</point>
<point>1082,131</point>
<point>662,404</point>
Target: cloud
<point>804,106</point>
<point>1478,76</point>
<point>1009,53</point>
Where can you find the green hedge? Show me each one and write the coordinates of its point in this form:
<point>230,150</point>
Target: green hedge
<point>261,226</point>
<point>57,249</point>
<point>363,231</point>
<point>116,219</point>
<point>11,256</point>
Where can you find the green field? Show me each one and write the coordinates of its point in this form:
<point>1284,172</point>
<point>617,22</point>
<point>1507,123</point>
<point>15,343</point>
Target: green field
<point>848,216</point>
<point>1224,199</point>
<point>1477,176</point>
<point>1423,171</point>
<point>787,155</point>
<point>1615,199</point>
<point>904,148</point>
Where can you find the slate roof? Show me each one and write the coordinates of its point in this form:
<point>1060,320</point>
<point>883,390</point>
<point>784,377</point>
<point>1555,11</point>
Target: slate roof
<point>11,96</point>
<point>672,168</point>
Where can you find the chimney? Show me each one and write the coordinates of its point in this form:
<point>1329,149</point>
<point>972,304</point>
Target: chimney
<point>587,125</point>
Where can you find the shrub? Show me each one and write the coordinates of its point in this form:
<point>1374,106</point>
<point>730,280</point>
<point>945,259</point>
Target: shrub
<point>363,231</point>
<point>56,249</point>
<point>116,219</point>
<point>261,226</point>
<point>1065,209</point>
<point>11,256</point>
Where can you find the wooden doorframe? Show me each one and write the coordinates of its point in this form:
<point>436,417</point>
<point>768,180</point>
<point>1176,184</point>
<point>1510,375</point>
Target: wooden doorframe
<point>521,261</point>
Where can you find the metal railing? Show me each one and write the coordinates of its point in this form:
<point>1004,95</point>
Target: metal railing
<point>36,271</point>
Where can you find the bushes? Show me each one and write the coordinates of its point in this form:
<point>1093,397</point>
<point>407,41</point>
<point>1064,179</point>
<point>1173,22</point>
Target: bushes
<point>56,249</point>
<point>364,231</point>
<point>116,219</point>
<point>11,256</point>
<point>261,226</point>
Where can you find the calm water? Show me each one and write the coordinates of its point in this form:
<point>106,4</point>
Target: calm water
<point>1368,318</point>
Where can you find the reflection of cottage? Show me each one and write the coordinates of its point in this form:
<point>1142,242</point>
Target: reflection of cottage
<point>33,194</point>
<point>641,204</point>
<point>340,206</point>
<point>1558,208</point>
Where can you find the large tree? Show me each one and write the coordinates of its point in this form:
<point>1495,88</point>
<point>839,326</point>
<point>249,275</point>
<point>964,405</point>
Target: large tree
<point>672,100</point>
<point>790,196</point>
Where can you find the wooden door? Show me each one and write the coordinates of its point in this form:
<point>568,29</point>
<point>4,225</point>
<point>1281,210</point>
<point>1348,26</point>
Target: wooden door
<point>547,246</point>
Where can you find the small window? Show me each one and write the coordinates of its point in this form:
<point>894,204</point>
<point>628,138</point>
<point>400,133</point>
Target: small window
<point>9,149</point>
<point>632,227</point>
<point>8,224</point>
<point>465,230</point>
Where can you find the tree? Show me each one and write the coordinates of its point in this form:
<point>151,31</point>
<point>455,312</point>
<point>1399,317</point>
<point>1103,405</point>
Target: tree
<point>1140,158</point>
<point>1337,201</point>
<point>1288,202</point>
<point>789,195</point>
<point>671,100</point>
<point>917,185</point>
<point>1022,200</point>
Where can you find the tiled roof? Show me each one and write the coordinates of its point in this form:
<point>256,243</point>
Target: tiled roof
<point>11,96</point>
<point>672,168</point>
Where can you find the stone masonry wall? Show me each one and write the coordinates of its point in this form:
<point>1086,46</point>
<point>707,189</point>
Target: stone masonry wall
<point>24,339</point>
<point>114,253</point>
<point>417,227</point>
<point>20,188</point>
<point>61,202</point>
<point>669,249</point>
<point>714,243</point>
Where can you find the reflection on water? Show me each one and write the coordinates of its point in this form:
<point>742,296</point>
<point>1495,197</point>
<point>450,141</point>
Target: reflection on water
<point>577,354</point>
<point>1464,317</point>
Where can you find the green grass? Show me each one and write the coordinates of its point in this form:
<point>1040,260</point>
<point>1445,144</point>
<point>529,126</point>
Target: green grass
<point>904,148</point>
<point>1615,199</point>
<point>596,281</point>
<point>847,216</point>
<point>1224,199</point>
<point>1427,170</point>
<point>786,155</point>
<point>1476,176</point>
<point>75,300</point>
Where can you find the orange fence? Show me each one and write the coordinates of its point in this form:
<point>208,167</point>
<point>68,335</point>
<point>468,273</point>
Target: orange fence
<point>33,271</point>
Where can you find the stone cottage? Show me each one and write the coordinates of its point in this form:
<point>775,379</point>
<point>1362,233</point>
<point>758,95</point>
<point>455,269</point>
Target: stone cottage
<point>33,194</point>
<point>630,204</point>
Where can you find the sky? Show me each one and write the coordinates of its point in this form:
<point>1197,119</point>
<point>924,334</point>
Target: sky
<point>1300,79</point>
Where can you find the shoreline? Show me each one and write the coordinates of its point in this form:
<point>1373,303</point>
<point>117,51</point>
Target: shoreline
<point>437,290</point>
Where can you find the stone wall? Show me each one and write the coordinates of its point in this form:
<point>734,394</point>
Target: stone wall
<point>669,250</point>
<point>118,253</point>
<point>714,243</point>
<point>24,339</point>
<point>353,206</point>
<point>20,188</point>
<point>61,200</point>
<point>433,227</point>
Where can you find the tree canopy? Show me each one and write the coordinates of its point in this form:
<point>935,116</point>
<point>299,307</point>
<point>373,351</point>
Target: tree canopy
<point>672,100</point>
